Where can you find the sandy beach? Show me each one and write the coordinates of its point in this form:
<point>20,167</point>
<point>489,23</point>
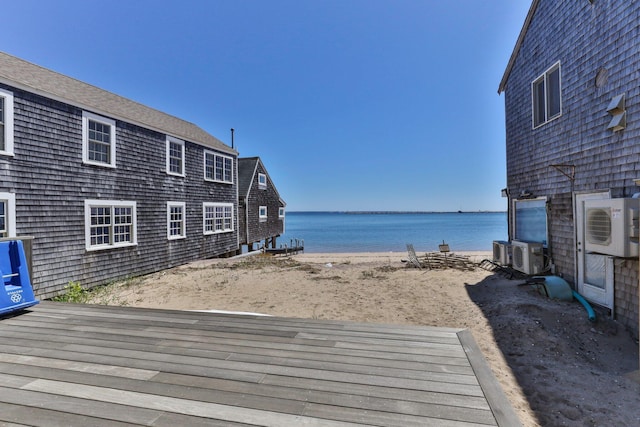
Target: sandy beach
<point>556,367</point>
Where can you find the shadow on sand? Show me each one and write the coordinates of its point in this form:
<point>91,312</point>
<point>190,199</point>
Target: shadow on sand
<point>570,370</point>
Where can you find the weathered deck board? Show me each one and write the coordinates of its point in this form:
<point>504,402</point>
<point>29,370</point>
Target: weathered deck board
<point>63,364</point>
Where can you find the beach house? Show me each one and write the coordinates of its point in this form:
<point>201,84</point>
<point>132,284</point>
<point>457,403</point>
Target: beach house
<point>108,188</point>
<point>572,108</point>
<point>261,210</point>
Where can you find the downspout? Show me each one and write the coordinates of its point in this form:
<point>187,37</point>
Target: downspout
<point>235,177</point>
<point>246,217</point>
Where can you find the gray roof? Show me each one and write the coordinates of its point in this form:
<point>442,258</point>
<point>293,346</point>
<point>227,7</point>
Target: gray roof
<point>247,167</point>
<point>33,78</point>
<point>246,171</point>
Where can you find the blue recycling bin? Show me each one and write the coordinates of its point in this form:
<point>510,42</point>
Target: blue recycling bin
<point>16,292</point>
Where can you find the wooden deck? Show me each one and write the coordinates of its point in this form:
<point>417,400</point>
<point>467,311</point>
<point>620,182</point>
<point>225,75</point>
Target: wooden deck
<point>79,365</point>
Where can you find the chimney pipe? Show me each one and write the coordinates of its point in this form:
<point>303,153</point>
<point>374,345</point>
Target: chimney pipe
<point>232,144</point>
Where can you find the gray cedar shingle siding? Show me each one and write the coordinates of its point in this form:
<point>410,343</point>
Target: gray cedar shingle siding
<point>255,230</point>
<point>51,183</point>
<point>585,38</point>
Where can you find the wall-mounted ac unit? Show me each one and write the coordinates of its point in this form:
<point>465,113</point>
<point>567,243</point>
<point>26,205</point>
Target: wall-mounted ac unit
<point>527,257</point>
<point>611,226</point>
<point>501,252</point>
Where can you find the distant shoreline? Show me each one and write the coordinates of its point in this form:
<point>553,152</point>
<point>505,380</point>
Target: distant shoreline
<point>475,256</point>
<point>384,231</point>
<point>394,212</point>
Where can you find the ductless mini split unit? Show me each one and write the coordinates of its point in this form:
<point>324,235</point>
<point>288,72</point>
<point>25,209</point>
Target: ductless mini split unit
<point>611,226</point>
<point>502,252</point>
<point>527,257</point>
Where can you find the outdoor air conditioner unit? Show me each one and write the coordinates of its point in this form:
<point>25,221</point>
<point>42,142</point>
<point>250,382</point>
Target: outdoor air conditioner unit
<point>611,226</point>
<point>501,252</point>
<point>527,257</point>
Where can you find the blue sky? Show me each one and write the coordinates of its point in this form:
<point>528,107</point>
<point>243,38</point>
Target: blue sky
<point>351,104</point>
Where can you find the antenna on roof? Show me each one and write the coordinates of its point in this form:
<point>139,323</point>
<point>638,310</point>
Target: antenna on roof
<point>232,145</point>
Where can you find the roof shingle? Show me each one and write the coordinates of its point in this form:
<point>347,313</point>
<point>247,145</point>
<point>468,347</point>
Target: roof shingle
<point>34,78</point>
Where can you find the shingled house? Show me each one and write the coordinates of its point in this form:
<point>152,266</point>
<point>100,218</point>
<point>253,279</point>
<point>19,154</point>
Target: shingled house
<point>261,210</point>
<point>107,187</point>
<point>572,103</point>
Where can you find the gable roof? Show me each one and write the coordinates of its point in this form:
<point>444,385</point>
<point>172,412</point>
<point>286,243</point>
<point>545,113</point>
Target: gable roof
<point>33,78</point>
<point>516,49</point>
<point>247,169</point>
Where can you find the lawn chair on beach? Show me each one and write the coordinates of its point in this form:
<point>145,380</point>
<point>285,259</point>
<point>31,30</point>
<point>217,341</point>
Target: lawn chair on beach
<point>413,258</point>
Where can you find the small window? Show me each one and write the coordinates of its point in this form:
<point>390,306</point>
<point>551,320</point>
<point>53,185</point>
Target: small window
<point>175,156</point>
<point>217,217</point>
<point>109,224</point>
<point>546,97</point>
<point>262,213</point>
<point>6,123</point>
<point>98,140</point>
<point>262,181</point>
<point>7,215</point>
<point>281,213</point>
<point>218,168</point>
<point>176,220</point>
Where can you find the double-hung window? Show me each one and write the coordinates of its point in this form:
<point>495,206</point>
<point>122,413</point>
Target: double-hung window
<point>7,215</point>
<point>262,181</point>
<point>218,168</point>
<point>262,213</point>
<point>175,156</point>
<point>109,224</point>
<point>98,140</point>
<point>6,123</point>
<point>176,220</point>
<point>546,97</point>
<point>217,217</point>
<point>281,212</point>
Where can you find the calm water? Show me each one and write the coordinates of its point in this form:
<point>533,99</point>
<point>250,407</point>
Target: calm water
<point>384,232</point>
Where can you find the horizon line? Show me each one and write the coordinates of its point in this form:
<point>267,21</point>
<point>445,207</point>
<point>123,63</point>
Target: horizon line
<point>394,212</point>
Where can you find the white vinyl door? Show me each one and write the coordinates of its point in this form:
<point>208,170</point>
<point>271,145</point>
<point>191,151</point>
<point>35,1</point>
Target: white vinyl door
<point>595,271</point>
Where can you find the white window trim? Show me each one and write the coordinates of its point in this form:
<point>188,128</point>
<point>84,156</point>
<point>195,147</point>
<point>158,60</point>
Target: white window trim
<point>204,218</point>
<point>281,213</point>
<point>11,213</point>
<point>262,181</point>
<point>182,205</point>
<point>261,216</point>
<point>8,123</point>
<point>180,142</point>
<point>88,204</point>
<point>204,162</point>
<point>544,77</point>
<point>86,116</point>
